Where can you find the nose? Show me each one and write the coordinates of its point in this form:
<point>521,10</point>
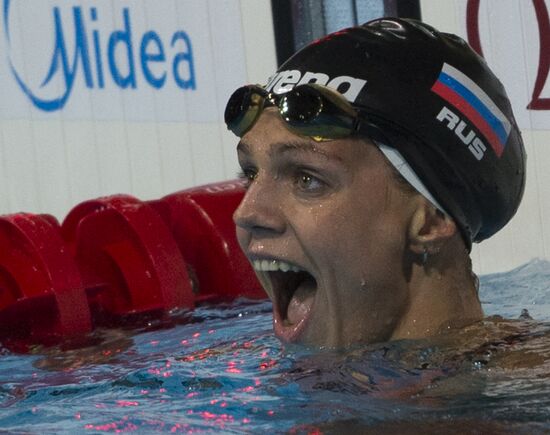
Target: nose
<point>260,212</point>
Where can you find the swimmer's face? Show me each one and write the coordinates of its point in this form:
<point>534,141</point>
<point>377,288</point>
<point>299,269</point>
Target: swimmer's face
<point>324,225</point>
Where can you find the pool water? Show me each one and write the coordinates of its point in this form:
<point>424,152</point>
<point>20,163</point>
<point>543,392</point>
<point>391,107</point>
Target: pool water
<point>219,369</point>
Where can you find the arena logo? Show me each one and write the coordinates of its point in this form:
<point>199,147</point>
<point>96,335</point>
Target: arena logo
<point>284,81</point>
<point>93,57</point>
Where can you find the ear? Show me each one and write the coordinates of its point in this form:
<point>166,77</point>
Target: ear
<point>429,229</point>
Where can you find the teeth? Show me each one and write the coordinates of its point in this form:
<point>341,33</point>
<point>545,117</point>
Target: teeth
<point>274,265</point>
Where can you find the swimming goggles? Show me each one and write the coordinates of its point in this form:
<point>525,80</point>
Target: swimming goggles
<point>312,110</point>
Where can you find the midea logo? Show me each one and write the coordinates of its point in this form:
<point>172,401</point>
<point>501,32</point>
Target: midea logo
<point>119,57</point>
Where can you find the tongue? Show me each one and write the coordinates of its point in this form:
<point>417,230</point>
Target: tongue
<point>302,301</point>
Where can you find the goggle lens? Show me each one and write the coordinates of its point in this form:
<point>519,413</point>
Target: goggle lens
<point>308,110</point>
<point>300,106</point>
<point>244,108</point>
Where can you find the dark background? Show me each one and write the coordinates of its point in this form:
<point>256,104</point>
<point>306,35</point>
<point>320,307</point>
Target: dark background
<point>298,22</point>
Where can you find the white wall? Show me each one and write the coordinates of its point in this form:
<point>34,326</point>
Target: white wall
<point>509,35</point>
<point>144,141</point>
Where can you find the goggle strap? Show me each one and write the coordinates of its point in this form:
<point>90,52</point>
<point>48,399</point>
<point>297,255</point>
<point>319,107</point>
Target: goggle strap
<point>400,164</point>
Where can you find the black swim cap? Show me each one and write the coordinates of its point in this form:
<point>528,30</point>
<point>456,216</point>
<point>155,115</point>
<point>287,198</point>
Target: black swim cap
<point>435,101</point>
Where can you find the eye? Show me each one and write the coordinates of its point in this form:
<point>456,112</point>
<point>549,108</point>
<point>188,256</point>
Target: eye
<point>248,175</point>
<point>309,183</point>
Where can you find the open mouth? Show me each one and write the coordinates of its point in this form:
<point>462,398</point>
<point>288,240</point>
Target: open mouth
<point>293,293</point>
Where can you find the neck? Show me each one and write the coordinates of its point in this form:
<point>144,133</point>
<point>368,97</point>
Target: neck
<point>442,295</point>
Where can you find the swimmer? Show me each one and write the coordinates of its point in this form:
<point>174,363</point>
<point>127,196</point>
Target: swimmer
<point>373,159</point>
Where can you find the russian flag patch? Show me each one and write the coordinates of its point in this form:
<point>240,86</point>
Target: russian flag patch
<point>469,99</point>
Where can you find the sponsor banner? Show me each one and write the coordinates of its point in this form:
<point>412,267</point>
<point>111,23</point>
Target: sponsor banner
<point>119,60</point>
<point>514,37</point>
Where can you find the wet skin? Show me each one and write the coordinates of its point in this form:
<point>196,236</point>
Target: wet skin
<point>335,210</point>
